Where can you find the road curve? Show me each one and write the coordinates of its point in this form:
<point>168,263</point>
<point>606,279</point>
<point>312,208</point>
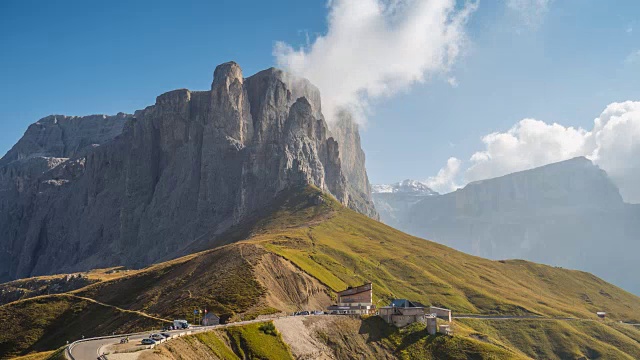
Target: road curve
<point>92,349</point>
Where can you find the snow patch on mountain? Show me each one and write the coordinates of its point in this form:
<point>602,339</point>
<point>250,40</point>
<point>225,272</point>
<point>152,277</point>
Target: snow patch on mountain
<point>406,186</point>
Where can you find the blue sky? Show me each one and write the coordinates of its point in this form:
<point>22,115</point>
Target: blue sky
<point>565,65</point>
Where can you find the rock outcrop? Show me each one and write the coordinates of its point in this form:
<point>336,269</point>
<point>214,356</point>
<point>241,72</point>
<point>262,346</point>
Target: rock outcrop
<point>80,193</point>
<point>352,158</point>
<point>59,136</point>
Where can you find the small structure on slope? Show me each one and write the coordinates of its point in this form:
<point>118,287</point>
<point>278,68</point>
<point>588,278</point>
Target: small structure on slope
<point>446,330</point>
<point>402,312</point>
<point>354,301</point>
<point>441,313</point>
<point>210,319</point>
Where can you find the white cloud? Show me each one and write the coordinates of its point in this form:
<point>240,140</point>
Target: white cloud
<point>377,48</point>
<point>629,29</point>
<point>616,141</point>
<point>453,81</point>
<point>613,144</point>
<point>528,144</point>
<point>531,12</point>
<point>445,181</point>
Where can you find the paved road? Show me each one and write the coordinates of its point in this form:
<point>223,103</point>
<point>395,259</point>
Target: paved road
<point>511,317</point>
<point>91,349</point>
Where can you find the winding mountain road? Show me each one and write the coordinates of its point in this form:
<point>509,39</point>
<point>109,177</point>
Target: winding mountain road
<point>94,348</point>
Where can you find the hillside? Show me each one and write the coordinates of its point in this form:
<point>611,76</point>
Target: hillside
<point>48,322</point>
<point>559,214</point>
<point>305,246</point>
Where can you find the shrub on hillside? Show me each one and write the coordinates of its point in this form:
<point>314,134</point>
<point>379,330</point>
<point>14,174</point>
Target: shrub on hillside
<point>268,328</point>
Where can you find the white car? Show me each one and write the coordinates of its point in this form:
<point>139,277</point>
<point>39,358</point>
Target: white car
<point>156,337</point>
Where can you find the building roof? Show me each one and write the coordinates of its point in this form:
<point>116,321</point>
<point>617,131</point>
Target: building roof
<point>406,303</point>
<point>355,290</point>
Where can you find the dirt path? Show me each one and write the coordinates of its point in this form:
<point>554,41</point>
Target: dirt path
<point>140,313</point>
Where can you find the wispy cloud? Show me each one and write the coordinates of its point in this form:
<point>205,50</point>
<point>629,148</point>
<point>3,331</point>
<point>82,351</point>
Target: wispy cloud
<point>530,12</point>
<point>633,57</point>
<point>376,48</point>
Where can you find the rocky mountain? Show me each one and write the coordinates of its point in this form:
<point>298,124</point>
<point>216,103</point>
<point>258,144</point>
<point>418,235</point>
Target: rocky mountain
<point>304,248</point>
<point>352,158</point>
<point>395,200</point>
<point>407,186</point>
<point>80,193</point>
<point>567,214</point>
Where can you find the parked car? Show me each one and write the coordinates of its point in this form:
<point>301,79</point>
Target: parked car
<point>318,312</point>
<point>165,334</point>
<point>156,337</point>
<point>148,342</point>
<point>305,313</point>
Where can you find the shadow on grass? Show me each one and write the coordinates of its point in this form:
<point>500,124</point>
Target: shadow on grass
<point>376,329</point>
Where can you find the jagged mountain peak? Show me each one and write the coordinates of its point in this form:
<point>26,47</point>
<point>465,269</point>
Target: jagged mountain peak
<point>406,186</point>
<point>184,170</point>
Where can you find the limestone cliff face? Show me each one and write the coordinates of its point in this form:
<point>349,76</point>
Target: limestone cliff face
<point>65,136</point>
<point>131,190</point>
<point>352,157</point>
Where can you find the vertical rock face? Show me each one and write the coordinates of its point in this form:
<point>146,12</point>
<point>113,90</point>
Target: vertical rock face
<point>131,190</point>
<point>352,157</point>
<point>65,136</point>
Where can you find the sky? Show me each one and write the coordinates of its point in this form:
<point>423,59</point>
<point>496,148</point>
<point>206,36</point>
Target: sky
<point>446,92</point>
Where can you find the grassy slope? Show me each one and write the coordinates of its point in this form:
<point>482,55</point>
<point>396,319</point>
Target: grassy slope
<point>555,339</point>
<point>220,281</point>
<point>348,249</point>
<point>339,248</point>
<point>55,284</point>
<point>37,356</point>
<point>47,322</point>
<point>249,342</point>
<point>234,343</point>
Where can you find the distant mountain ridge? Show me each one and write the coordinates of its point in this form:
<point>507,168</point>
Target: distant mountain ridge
<point>394,200</point>
<point>566,214</point>
<point>78,193</point>
<point>405,186</point>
